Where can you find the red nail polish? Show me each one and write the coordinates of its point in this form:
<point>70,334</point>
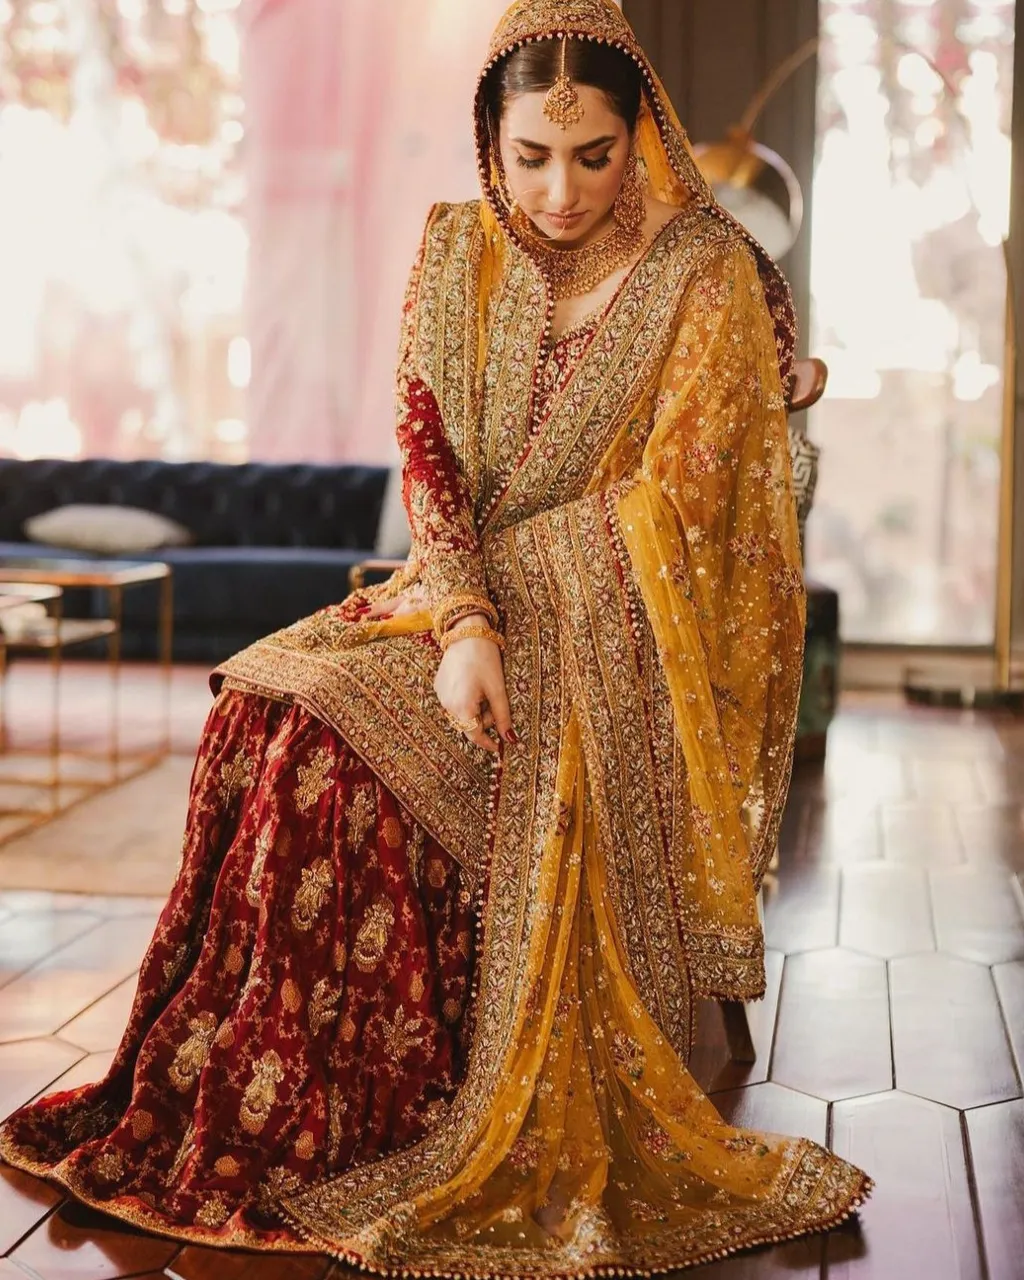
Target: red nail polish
<point>513,737</point>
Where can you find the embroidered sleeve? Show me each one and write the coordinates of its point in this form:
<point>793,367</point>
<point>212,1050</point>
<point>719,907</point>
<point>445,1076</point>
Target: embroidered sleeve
<point>445,546</point>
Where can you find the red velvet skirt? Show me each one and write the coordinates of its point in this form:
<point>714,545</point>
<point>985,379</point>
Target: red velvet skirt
<point>303,1005</point>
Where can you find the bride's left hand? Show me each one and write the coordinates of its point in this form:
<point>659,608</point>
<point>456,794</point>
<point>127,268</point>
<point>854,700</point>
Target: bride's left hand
<point>411,600</point>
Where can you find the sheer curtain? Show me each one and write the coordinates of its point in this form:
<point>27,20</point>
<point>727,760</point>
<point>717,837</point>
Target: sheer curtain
<point>359,118</point>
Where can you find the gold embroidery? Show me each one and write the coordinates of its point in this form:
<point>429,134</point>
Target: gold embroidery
<point>237,776</point>
<point>191,1056</point>
<point>628,1055</point>
<point>399,1036</point>
<point>261,1092</point>
<point>361,814</point>
<point>264,843</point>
<point>291,996</point>
<point>214,1212</point>
<point>142,1125</point>
<point>314,779</point>
<point>109,1165</point>
<point>336,1108</point>
<point>184,1151</point>
<point>374,934</point>
<point>317,882</point>
<point>394,833</point>
<point>323,1006</point>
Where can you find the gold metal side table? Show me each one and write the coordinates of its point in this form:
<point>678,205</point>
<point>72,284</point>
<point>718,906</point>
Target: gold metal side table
<point>12,598</point>
<point>53,635</point>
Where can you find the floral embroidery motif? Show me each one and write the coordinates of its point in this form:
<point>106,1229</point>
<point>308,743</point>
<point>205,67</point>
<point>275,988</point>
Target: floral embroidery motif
<point>628,1055</point>
<point>336,1109</point>
<point>323,1006</point>
<point>109,1165</point>
<point>214,1213</point>
<point>374,933</point>
<point>264,843</point>
<point>399,1036</point>
<point>317,882</point>
<point>314,779</point>
<point>526,1152</point>
<point>191,1056</point>
<point>261,1092</point>
<point>361,814</point>
<point>237,776</point>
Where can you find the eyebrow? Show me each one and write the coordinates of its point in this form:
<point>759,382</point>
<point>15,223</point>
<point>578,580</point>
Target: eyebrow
<point>588,146</point>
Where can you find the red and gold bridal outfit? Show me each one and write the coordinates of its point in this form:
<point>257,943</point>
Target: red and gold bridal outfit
<point>429,1010</point>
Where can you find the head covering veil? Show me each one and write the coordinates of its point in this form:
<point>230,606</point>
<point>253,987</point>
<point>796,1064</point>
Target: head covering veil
<point>662,142</point>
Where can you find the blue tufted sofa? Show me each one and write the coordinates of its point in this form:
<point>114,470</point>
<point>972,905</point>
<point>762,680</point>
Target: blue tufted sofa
<point>273,542</point>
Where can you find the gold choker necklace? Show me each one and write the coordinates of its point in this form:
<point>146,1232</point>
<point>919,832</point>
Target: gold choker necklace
<point>572,273</point>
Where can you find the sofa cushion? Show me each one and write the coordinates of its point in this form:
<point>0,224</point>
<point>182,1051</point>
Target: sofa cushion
<point>106,530</point>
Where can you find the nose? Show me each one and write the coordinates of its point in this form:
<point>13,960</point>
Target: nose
<point>562,191</point>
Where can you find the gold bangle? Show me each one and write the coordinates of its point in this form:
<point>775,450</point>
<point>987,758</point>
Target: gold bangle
<point>467,611</point>
<point>478,631</point>
<point>466,602</point>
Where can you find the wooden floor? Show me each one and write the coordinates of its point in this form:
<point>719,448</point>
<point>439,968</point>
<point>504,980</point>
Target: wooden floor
<point>893,1029</point>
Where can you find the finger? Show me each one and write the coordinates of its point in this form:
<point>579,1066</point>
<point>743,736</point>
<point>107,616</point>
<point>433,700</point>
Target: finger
<point>497,701</point>
<point>488,718</point>
<point>381,606</point>
<point>483,739</point>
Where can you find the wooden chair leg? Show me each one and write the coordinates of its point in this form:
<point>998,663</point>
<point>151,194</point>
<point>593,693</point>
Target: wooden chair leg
<point>737,1031</point>
<point>734,1016</point>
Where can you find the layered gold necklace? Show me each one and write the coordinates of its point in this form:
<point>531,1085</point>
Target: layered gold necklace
<point>572,273</point>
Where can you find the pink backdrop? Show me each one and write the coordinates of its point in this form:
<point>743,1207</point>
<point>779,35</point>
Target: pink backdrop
<point>359,117</point>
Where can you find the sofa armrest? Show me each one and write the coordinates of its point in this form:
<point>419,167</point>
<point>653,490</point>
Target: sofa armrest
<point>357,574</point>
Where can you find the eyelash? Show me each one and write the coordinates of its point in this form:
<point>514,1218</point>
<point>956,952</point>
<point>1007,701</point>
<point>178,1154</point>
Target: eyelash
<point>593,165</point>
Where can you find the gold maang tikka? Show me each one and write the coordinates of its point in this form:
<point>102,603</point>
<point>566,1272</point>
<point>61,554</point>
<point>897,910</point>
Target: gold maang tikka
<point>563,106</point>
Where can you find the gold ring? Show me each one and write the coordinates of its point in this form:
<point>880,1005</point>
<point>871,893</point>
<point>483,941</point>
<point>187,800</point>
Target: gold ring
<point>467,726</point>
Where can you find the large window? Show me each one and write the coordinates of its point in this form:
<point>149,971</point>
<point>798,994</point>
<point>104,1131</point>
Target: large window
<point>910,208</point>
<point>122,250</point>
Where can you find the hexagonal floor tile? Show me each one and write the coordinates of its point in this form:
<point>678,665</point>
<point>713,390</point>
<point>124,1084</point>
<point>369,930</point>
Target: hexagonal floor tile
<point>997,1157</point>
<point>832,1036</point>
<point>977,915</point>
<point>919,1223</point>
<point>949,1039</point>
<point>885,910</point>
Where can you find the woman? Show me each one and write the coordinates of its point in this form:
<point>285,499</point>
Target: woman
<point>463,850</point>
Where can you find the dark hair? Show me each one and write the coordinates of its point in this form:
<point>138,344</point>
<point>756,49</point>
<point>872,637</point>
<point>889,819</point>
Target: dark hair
<point>534,68</point>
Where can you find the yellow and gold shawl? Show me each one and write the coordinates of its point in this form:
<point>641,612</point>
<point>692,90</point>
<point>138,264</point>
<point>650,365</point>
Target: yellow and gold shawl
<point>640,543</point>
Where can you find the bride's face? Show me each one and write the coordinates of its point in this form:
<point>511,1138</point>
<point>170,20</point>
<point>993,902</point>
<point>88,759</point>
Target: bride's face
<point>565,180</point>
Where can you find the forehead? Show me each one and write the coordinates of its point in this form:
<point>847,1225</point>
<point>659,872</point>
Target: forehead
<point>524,118</point>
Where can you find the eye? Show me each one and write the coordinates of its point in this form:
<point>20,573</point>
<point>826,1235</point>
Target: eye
<point>523,163</point>
<point>602,163</point>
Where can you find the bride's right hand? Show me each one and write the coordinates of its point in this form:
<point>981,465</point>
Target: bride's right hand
<point>471,682</point>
